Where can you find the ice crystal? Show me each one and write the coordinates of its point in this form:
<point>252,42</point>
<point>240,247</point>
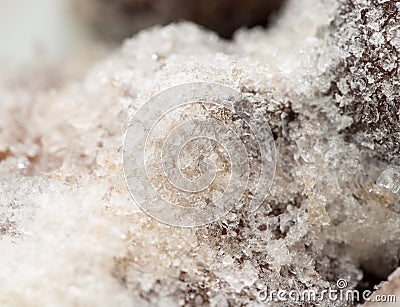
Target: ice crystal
<point>71,234</point>
<point>366,74</point>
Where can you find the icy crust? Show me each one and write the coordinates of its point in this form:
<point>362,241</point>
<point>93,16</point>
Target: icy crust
<point>364,43</point>
<point>71,234</point>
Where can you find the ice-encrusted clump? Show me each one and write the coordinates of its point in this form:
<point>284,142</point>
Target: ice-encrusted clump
<point>363,42</point>
<point>77,238</point>
<point>390,179</point>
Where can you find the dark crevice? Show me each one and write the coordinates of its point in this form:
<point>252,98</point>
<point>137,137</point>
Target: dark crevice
<point>5,154</point>
<point>368,282</point>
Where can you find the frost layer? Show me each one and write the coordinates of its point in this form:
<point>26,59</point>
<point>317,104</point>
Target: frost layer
<point>71,234</point>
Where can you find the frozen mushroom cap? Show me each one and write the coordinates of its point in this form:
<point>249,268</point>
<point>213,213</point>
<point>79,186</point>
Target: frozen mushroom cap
<point>70,232</point>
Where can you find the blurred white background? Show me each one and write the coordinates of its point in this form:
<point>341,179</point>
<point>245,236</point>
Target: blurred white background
<point>42,30</point>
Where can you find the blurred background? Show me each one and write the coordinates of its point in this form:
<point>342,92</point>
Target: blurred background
<point>46,31</point>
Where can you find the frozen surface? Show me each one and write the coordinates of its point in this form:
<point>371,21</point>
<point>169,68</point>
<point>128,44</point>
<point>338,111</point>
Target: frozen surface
<point>71,234</point>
